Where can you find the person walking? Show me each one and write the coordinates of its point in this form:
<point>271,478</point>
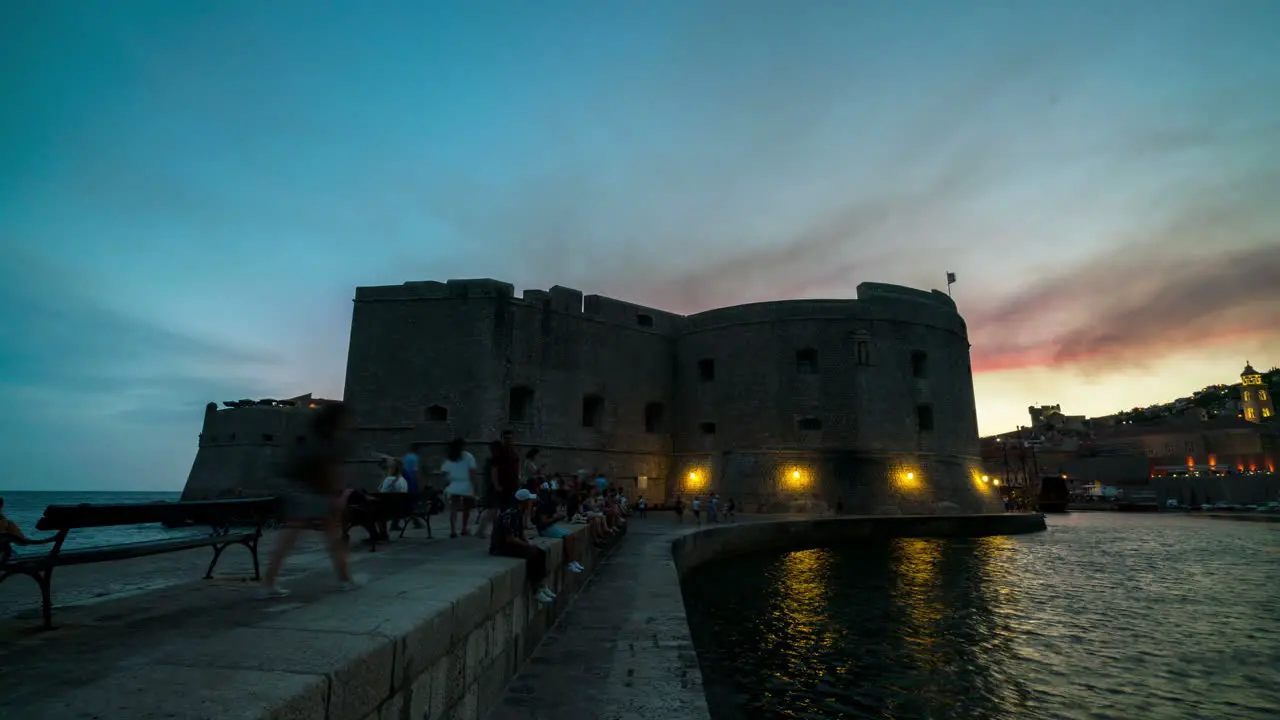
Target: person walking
<point>459,469</point>
<point>316,496</point>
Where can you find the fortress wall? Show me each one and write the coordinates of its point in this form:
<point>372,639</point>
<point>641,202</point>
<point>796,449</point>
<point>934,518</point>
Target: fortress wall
<point>429,361</point>
<point>243,448</point>
<point>849,427</point>
<point>564,357</point>
<point>423,345</point>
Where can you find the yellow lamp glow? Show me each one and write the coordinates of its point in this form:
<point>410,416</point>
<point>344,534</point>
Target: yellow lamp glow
<point>995,482</point>
<point>911,476</point>
<point>795,474</point>
<point>986,478</point>
<point>693,476</point>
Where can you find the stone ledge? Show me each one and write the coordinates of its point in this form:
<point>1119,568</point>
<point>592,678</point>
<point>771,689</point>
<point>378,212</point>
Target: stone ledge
<point>438,640</point>
<point>726,539</point>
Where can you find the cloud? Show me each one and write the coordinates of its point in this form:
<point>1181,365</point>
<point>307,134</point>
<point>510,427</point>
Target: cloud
<point>99,398</point>
<point>1203,270</point>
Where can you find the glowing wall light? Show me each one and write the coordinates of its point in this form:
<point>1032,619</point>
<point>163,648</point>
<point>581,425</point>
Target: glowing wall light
<point>695,480</point>
<point>796,479</point>
<point>908,481</point>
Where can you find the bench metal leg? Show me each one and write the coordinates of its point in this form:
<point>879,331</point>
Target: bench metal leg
<point>217,553</point>
<point>427,519</point>
<point>43,578</point>
<point>46,597</point>
<point>251,545</point>
<point>253,549</point>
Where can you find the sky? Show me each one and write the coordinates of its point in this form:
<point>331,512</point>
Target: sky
<point>190,192</point>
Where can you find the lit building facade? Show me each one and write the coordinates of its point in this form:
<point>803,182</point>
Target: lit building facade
<point>1255,397</point>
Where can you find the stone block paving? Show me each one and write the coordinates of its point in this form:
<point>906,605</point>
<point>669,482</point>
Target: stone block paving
<point>97,638</point>
<point>622,651</point>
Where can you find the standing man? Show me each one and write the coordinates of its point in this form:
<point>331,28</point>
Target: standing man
<point>502,479</point>
<point>506,468</point>
<point>409,468</point>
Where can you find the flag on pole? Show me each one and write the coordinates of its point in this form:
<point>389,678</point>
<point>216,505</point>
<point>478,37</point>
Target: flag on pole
<point>951,277</point>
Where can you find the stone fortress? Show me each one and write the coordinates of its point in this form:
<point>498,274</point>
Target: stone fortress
<point>783,406</point>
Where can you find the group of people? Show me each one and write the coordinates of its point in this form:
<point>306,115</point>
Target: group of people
<point>509,494</point>
<point>711,505</point>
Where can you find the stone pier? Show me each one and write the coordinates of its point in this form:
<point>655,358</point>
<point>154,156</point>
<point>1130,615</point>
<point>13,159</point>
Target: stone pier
<point>441,630</point>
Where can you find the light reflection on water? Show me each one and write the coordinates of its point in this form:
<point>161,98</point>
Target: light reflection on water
<point>1104,616</point>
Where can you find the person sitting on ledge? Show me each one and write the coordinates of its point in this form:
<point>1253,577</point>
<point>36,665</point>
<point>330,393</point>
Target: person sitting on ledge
<point>508,540</point>
<point>547,514</point>
<point>7,526</point>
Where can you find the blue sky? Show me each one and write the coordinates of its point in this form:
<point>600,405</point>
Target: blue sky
<point>189,192</point>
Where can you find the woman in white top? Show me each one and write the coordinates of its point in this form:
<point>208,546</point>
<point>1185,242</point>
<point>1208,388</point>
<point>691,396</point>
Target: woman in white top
<point>394,482</point>
<point>458,468</point>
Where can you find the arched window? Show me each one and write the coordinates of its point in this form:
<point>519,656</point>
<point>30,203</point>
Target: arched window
<point>807,361</point>
<point>520,404</point>
<point>863,350</point>
<point>1248,397</point>
<point>436,413</point>
<point>592,411</point>
<point>655,417</point>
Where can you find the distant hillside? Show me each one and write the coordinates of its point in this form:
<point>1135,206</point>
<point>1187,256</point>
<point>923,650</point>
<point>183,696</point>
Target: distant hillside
<point>1217,400</point>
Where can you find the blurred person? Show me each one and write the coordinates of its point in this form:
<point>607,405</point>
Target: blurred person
<point>7,526</point>
<point>314,473</point>
<point>459,469</point>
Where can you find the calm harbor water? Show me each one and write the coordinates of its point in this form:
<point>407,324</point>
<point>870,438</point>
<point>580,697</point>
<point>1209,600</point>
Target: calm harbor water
<point>25,509</point>
<point>1106,615</point>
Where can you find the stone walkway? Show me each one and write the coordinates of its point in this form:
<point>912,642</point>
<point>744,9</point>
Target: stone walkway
<point>622,651</point>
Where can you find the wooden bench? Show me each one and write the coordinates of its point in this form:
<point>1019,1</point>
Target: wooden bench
<point>231,522</point>
<point>393,507</point>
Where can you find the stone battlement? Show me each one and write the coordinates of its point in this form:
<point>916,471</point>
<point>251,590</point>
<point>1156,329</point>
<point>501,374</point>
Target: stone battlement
<point>874,300</point>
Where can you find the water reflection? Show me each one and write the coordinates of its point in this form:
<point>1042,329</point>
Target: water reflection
<point>1105,621</point>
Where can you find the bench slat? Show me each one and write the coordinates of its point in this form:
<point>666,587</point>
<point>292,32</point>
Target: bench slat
<point>108,553</point>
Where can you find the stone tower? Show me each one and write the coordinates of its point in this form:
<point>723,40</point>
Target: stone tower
<point>1255,397</point>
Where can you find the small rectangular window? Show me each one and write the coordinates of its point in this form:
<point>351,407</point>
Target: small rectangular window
<point>809,424</point>
<point>707,369</point>
<point>654,417</point>
<point>807,361</point>
<point>592,411</point>
<point>1191,447</point>
<point>707,428</point>
<point>919,364</point>
<point>520,405</point>
<point>924,417</point>
<point>267,437</point>
<point>644,320</point>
